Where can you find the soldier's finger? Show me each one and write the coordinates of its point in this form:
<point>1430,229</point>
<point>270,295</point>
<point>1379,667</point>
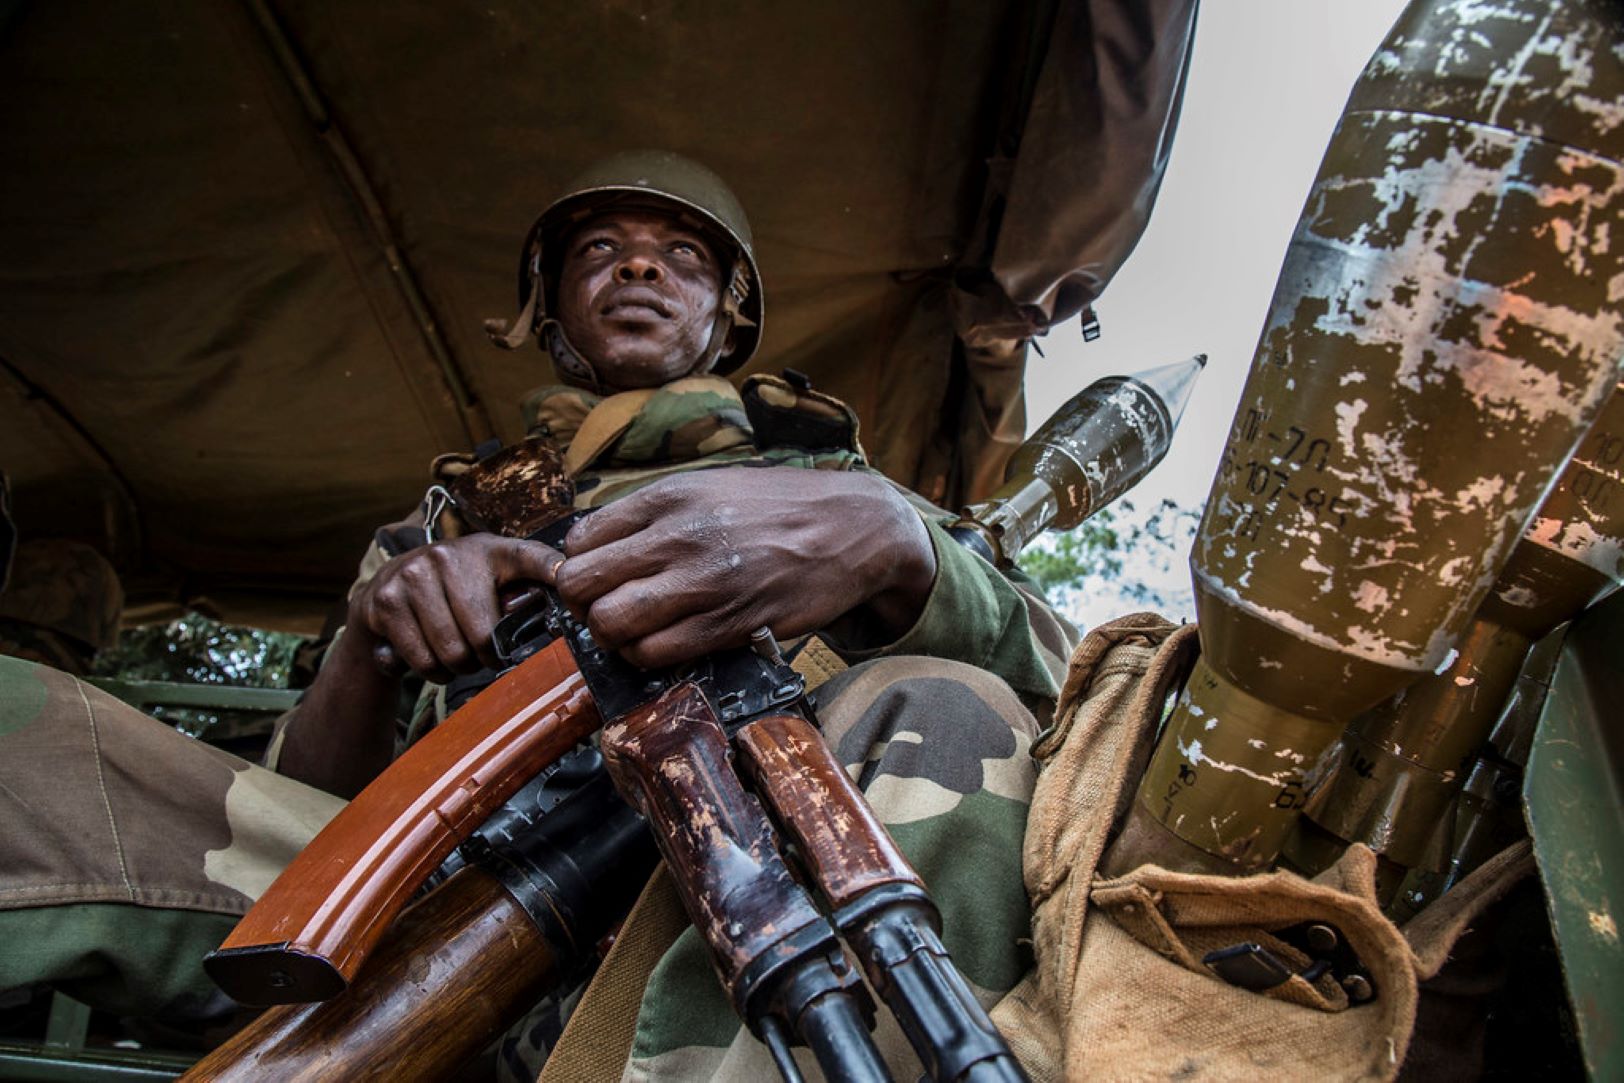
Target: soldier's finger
<point>441,633</point>
<point>675,598</point>
<point>517,559</point>
<point>388,662</point>
<point>406,643</point>
<point>627,516</point>
<point>474,610</point>
<point>584,578</point>
<point>638,608</point>
<point>687,639</point>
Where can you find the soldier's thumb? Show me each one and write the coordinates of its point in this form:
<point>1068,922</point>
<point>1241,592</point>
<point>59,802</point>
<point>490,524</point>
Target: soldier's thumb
<point>526,560</point>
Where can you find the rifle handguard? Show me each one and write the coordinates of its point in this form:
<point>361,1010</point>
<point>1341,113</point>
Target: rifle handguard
<point>777,956</point>
<point>305,938</point>
<point>876,900</point>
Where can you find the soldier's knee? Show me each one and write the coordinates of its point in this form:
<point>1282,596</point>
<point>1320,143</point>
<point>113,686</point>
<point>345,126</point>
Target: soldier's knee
<point>929,725</point>
<point>932,697</point>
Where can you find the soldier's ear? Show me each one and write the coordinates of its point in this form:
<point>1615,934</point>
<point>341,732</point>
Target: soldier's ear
<point>730,343</point>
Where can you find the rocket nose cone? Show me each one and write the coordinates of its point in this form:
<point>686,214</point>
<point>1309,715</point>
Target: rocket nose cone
<point>1173,383</point>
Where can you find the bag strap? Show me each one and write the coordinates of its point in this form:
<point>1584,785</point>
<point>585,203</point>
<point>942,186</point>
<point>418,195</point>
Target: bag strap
<point>597,1040</point>
<point>1088,665</point>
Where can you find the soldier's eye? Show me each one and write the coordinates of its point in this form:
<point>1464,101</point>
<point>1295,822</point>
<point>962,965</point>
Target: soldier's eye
<point>597,244</point>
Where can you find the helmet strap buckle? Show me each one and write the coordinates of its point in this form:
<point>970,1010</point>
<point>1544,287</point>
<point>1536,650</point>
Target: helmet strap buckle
<point>513,334</point>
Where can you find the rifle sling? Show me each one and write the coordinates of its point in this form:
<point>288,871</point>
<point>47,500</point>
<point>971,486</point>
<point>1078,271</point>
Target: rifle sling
<point>815,660</point>
<point>597,1040</point>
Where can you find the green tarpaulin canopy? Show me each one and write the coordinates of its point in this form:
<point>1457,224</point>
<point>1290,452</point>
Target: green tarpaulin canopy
<point>246,248</point>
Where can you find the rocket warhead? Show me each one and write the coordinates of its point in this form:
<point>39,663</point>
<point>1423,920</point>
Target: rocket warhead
<point>1096,447</point>
<point>1173,384</point>
<point>1433,354</point>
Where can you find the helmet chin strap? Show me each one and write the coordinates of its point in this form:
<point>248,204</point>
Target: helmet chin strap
<point>574,369</point>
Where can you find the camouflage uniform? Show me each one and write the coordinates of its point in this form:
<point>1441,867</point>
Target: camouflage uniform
<point>935,726</point>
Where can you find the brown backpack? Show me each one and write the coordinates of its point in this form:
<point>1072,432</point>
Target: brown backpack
<point>1119,990</point>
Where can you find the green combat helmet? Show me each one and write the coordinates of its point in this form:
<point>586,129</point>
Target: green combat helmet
<point>651,179</point>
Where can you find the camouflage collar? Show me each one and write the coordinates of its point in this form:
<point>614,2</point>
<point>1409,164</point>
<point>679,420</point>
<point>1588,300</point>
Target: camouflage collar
<point>686,419</point>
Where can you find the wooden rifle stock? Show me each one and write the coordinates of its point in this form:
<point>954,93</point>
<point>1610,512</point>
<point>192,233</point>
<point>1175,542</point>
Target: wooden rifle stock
<point>775,953</point>
<point>306,937</point>
<point>438,989</point>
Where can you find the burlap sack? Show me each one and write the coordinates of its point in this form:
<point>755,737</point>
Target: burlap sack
<point>1119,990</point>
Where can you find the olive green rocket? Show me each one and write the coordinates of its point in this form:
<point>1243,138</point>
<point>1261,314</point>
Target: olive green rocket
<point>1444,329</point>
<point>1096,447</point>
<point>1400,765</point>
<point>1487,815</point>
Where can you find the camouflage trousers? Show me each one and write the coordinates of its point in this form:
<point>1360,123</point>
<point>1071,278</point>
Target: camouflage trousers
<point>128,850</point>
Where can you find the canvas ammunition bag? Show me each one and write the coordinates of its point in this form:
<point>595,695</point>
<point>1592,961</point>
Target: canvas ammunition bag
<point>1119,989</point>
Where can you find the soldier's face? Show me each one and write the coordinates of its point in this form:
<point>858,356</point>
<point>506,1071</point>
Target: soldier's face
<point>638,294</point>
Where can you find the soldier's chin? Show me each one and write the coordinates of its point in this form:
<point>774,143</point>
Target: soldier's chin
<point>644,363</point>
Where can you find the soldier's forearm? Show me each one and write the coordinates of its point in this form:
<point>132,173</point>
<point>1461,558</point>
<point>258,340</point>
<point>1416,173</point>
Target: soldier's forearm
<point>901,598</point>
<point>342,733</point>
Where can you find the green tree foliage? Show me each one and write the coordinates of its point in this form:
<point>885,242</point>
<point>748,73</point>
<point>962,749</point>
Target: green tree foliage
<point>196,650</point>
<point>1133,556</point>
<point>1059,561</point>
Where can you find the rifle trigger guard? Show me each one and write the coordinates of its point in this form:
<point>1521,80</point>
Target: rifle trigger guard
<point>523,632</point>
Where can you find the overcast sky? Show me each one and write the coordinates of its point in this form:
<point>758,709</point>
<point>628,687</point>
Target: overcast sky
<point>1267,83</point>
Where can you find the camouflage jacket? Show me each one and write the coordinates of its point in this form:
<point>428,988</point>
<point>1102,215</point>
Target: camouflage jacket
<point>974,613</point>
<point>971,816</point>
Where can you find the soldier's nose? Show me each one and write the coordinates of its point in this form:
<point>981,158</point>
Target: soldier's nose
<point>639,268</point>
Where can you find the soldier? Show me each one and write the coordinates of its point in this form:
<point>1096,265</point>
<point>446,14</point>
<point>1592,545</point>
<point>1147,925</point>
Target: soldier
<point>723,516</point>
<point>60,601</point>
<point>61,604</point>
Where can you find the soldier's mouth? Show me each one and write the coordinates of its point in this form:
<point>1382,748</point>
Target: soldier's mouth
<point>636,303</point>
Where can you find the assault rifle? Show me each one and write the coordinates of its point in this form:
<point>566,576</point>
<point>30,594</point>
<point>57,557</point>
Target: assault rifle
<point>669,740</point>
<point>720,757</point>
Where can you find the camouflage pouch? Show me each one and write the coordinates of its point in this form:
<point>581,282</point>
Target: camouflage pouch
<point>516,491</point>
<point>784,411</point>
<point>1121,989</point>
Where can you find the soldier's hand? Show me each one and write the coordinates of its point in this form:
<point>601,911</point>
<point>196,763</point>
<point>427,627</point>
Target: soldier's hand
<point>433,608</point>
<point>696,562</point>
